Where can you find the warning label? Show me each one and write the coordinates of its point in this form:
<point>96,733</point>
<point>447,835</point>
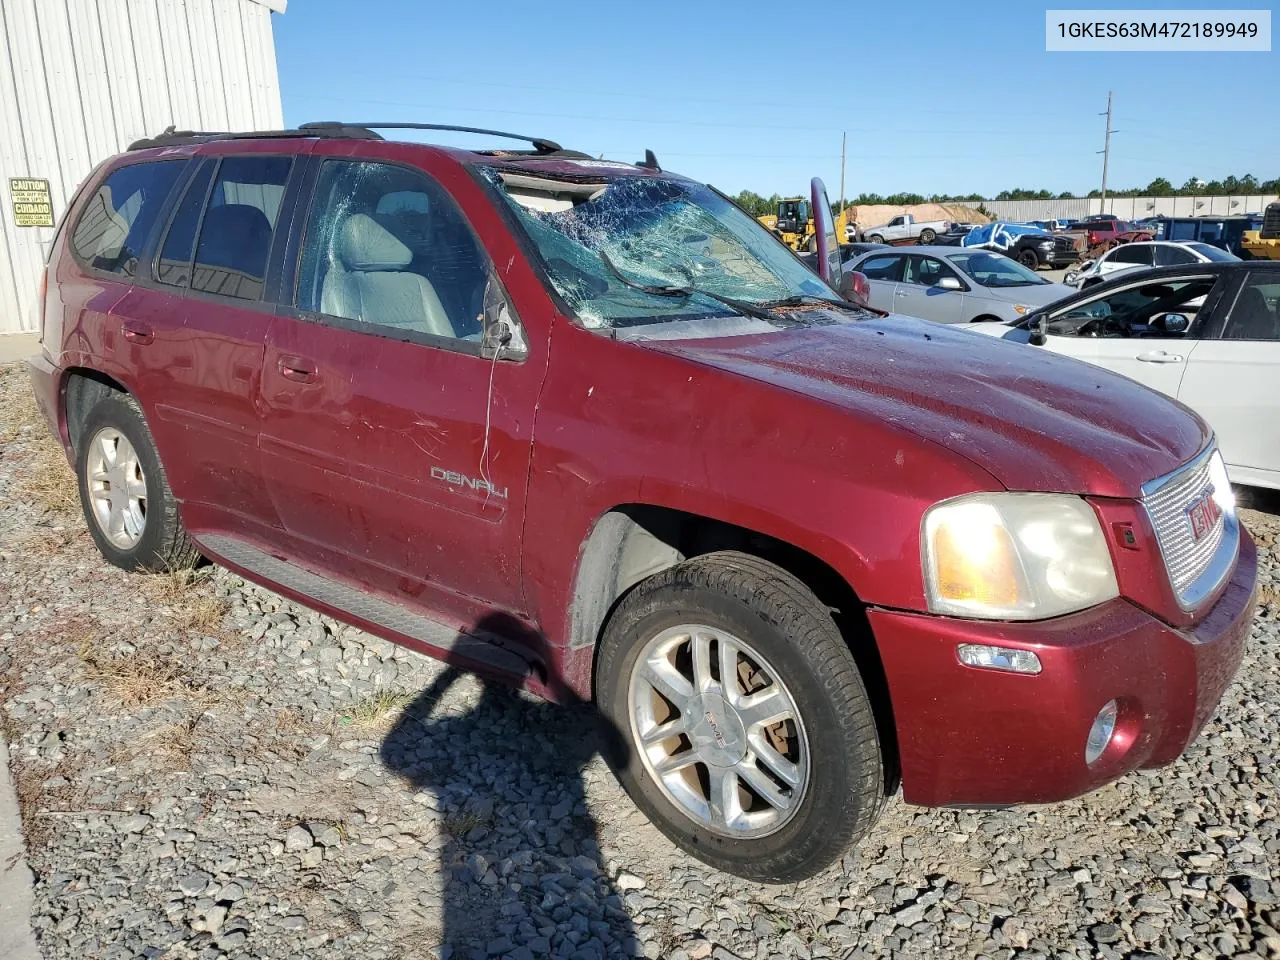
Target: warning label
<point>32,206</point>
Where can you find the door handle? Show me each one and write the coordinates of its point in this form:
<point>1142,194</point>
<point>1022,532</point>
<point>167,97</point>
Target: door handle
<point>137,332</point>
<point>297,369</point>
<point>1159,356</point>
<point>901,293</point>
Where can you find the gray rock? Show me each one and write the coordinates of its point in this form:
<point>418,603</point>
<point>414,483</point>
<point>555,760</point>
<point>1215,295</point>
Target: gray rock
<point>298,838</point>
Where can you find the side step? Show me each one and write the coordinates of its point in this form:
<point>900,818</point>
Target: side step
<point>390,616</point>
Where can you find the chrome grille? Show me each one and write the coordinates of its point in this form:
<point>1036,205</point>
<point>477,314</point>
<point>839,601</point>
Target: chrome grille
<point>1195,566</point>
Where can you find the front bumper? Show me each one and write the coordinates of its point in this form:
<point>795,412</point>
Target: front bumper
<point>970,736</point>
<point>1059,258</point>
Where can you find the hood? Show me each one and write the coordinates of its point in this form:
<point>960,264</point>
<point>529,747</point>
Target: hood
<point>1034,420</point>
<point>1034,295</point>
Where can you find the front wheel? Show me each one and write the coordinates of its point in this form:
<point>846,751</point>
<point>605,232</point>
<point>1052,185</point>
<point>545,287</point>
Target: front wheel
<point>1029,259</point>
<point>752,742</point>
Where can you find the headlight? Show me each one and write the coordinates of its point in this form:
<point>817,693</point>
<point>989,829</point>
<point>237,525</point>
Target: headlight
<point>1015,556</point>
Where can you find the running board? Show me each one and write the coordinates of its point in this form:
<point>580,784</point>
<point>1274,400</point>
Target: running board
<point>390,616</point>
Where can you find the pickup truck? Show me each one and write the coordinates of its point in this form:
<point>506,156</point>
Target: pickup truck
<point>906,229</point>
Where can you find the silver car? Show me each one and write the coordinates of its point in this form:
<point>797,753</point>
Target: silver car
<point>954,284</point>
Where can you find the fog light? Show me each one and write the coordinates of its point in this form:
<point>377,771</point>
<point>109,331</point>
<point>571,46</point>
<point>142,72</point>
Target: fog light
<point>1104,726</point>
<point>998,658</point>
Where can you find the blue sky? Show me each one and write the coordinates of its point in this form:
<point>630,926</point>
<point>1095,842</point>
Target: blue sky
<point>942,97</point>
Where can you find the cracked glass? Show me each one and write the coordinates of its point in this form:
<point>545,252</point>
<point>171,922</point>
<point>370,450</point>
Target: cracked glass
<point>639,251</point>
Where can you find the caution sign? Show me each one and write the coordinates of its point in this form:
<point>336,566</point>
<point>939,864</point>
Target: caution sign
<point>32,206</point>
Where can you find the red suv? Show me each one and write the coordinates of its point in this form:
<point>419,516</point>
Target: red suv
<point>587,427</point>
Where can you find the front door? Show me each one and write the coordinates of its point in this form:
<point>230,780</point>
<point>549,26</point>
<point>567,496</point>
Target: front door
<point>391,443</point>
<point>1129,330</point>
<point>919,294</point>
<point>1231,381</point>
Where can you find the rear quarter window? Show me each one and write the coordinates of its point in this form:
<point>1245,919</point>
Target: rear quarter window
<point>116,221</point>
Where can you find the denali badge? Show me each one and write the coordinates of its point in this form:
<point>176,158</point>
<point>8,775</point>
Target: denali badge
<point>455,479</point>
<point>1203,512</point>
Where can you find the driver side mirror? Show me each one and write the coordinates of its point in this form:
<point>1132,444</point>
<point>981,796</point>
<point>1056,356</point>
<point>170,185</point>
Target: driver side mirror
<point>502,336</point>
<point>1172,323</point>
<point>948,283</point>
<point>1040,331</point>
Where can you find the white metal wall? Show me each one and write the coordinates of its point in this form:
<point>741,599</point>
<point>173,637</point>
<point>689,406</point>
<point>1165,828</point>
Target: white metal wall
<point>1129,208</point>
<point>81,79</point>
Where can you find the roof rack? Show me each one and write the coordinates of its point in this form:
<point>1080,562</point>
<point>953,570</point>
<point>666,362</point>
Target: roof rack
<point>177,138</point>
<point>354,131</point>
<point>539,144</point>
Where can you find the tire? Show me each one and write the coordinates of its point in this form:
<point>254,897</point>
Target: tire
<point>927,237</point>
<point>790,636</point>
<point>152,538</point>
<point>875,238</point>
<point>1029,259</point>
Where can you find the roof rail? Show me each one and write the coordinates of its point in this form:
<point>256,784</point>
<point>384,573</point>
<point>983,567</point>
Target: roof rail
<point>176,138</point>
<point>540,144</point>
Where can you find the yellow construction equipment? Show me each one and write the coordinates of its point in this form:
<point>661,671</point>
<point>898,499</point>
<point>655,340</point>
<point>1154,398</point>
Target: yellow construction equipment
<point>792,223</point>
<point>1264,244</point>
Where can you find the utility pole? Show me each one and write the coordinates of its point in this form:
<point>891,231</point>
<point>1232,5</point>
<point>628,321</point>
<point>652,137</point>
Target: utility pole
<point>843,137</point>
<point>1106,154</point>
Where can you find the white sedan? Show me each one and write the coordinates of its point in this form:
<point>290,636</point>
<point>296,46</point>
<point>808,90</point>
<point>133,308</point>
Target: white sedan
<point>1207,334</point>
<point>1135,256</point>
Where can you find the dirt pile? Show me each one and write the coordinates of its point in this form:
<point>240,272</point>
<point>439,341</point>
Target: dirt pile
<point>874,215</point>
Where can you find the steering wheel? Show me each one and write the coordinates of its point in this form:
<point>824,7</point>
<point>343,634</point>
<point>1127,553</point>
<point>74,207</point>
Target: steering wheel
<point>1103,327</point>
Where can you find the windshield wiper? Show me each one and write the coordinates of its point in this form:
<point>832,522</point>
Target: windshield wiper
<point>667,290</point>
<point>804,299</point>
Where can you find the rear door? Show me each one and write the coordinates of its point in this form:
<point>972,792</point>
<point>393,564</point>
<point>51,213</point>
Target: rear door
<point>211,271</point>
<point>1125,257</point>
<point>1232,380</point>
<point>883,271</point>
<point>396,450</point>
<point>918,293</point>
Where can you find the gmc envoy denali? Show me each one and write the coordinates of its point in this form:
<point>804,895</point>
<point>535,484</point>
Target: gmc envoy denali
<point>798,553</point>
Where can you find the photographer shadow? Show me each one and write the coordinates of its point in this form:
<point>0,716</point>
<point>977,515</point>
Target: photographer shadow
<point>520,869</point>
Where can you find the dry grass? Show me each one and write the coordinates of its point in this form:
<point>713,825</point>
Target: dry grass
<point>174,745</point>
<point>460,824</point>
<point>45,478</point>
<point>1269,595</point>
<point>34,797</point>
<point>374,713</point>
<point>142,679</point>
<point>182,591</point>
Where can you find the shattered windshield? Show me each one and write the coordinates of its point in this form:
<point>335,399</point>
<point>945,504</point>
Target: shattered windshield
<point>647,250</point>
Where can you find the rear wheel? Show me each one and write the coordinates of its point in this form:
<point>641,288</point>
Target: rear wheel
<point>927,236</point>
<point>752,743</point>
<point>131,512</point>
<point>875,238</point>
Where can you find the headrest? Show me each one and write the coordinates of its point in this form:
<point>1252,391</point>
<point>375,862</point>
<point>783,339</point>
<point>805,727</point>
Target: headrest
<point>364,244</point>
<point>233,218</point>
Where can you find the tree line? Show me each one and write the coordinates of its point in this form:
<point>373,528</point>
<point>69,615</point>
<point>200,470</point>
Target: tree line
<point>758,205</point>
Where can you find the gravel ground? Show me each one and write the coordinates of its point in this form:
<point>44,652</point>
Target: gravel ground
<point>208,770</point>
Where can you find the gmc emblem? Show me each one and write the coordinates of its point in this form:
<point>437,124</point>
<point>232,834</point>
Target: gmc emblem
<point>1203,513</point>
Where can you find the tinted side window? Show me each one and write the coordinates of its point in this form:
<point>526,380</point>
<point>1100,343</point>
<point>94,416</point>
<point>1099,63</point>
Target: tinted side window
<point>174,265</point>
<point>1171,256</point>
<point>387,246</point>
<point>239,219</point>
<point>117,219</point>
<point>926,271</point>
<point>1182,231</point>
<point>1131,254</point>
<point>1256,313</point>
<point>882,267</point>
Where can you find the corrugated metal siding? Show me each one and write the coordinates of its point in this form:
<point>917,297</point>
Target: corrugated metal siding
<point>1129,208</point>
<point>81,79</point>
